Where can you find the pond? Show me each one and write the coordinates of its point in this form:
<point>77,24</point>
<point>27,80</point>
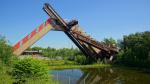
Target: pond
<point>100,76</point>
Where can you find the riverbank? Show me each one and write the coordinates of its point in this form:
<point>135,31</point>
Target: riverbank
<point>65,64</point>
<point>146,70</point>
<point>61,65</point>
<point>7,78</point>
<point>79,66</point>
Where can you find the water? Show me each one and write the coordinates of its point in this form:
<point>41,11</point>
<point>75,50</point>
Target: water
<point>100,76</point>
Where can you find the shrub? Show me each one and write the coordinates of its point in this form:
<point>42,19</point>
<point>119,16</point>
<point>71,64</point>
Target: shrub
<point>80,59</point>
<point>135,50</point>
<point>5,51</point>
<point>29,68</point>
<point>5,78</point>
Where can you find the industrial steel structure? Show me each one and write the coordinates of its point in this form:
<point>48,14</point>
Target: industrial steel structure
<point>89,46</point>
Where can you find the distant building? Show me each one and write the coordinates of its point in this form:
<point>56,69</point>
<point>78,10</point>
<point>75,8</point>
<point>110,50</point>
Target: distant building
<point>35,52</point>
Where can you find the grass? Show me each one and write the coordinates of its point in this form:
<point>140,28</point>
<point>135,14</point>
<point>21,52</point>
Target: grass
<point>63,64</point>
<point>6,78</point>
<point>79,66</point>
<point>147,70</point>
<point>30,81</point>
<point>59,62</point>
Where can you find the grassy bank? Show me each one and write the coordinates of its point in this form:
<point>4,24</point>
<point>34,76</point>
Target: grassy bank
<point>63,64</point>
<point>79,66</point>
<point>147,70</point>
<point>6,77</point>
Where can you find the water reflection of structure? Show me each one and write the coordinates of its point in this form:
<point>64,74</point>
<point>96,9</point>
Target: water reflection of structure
<point>112,76</point>
<point>96,76</point>
<point>101,76</point>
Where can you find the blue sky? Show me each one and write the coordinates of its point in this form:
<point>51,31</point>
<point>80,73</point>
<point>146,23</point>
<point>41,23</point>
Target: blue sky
<point>99,18</point>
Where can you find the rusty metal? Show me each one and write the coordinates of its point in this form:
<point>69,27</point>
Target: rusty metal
<point>60,22</point>
<point>89,46</point>
<point>94,43</point>
<point>82,40</point>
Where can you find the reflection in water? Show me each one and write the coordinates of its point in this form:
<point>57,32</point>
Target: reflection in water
<point>67,76</point>
<point>101,76</point>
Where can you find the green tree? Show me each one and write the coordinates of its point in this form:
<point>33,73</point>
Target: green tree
<point>136,49</point>
<point>5,51</point>
<point>80,59</point>
<point>37,48</point>
<point>109,41</point>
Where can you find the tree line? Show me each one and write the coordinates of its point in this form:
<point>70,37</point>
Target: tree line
<point>134,50</point>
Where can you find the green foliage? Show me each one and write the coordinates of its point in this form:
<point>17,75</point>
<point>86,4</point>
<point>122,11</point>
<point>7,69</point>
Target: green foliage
<point>65,53</point>
<point>29,71</point>
<point>68,55</point>
<point>59,62</point>
<point>5,51</point>
<point>69,62</point>
<point>31,81</point>
<point>37,48</point>
<point>29,68</point>
<point>5,78</point>
<point>135,50</point>
<point>109,41</point>
<point>80,59</point>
